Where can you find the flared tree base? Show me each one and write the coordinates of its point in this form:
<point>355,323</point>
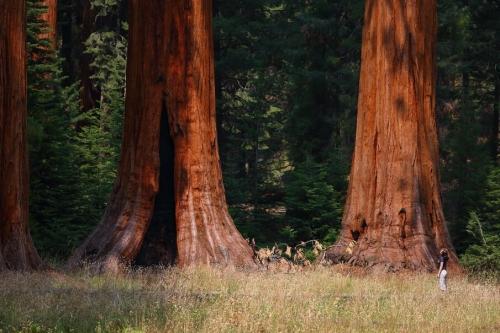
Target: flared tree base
<point>417,254</point>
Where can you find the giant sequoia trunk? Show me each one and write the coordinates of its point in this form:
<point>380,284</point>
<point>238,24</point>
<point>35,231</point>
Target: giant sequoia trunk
<point>393,216</point>
<point>168,204</point>
<point>16,247</point>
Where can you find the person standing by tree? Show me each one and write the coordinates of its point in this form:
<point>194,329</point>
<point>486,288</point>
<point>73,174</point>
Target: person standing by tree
<point>443,273</point>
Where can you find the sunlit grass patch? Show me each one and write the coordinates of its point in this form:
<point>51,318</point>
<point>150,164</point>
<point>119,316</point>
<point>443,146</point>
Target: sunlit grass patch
<point>210,300</point>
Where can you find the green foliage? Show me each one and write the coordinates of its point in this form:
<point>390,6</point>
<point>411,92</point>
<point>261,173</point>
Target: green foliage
<point>293,96</point>
<point>99,136</point>
<point>323,52</point>
<point>313,207</point>
<point>250,113</point>
<point>104,7</point>
<point>73,153</point>
<point>466,94</point>
<point>484,227</point>
<point>491,210</point>
<point>54,178</point>
<point>322,57</point>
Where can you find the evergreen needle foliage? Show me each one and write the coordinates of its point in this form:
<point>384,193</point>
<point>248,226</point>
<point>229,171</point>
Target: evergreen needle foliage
<point>54,178</point>
<point>484,227</point>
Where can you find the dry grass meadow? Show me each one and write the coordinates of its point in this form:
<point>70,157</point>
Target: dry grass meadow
<point>210,300</point>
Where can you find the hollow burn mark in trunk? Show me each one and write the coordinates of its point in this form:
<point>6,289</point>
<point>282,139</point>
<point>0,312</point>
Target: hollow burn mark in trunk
<point>360,229</point>
<point>159,246</point>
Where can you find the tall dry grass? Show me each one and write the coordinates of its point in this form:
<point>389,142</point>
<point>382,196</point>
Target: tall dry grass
<point>209,300</point>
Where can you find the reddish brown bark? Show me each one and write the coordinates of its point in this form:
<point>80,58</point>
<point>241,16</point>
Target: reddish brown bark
<point>50,17</point>
<point>16,247</point>
<point>393,209</point>
<point>168,204</point>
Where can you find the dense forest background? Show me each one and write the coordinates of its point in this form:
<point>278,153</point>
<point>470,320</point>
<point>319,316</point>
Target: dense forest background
<point>286,86</point>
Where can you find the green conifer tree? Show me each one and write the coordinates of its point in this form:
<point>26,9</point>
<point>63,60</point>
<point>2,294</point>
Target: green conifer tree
<point>54,175</point>
<point>484,227</point>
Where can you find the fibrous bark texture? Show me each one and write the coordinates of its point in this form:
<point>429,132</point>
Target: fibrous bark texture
<point>16,247</point>
<point>168,204</point>
<point>393,217</point>
<point>50,17</point>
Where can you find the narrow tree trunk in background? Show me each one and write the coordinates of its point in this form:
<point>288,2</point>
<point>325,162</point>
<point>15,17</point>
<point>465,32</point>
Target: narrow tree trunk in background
<point>168,203</point>
<point>16,247</point>
<point>393,217</point>
<point>89,95</point>
<point>68,19</point>
<point>50,17</point>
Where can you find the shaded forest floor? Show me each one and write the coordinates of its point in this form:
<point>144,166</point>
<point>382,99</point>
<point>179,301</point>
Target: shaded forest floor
<point>206,300</point>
